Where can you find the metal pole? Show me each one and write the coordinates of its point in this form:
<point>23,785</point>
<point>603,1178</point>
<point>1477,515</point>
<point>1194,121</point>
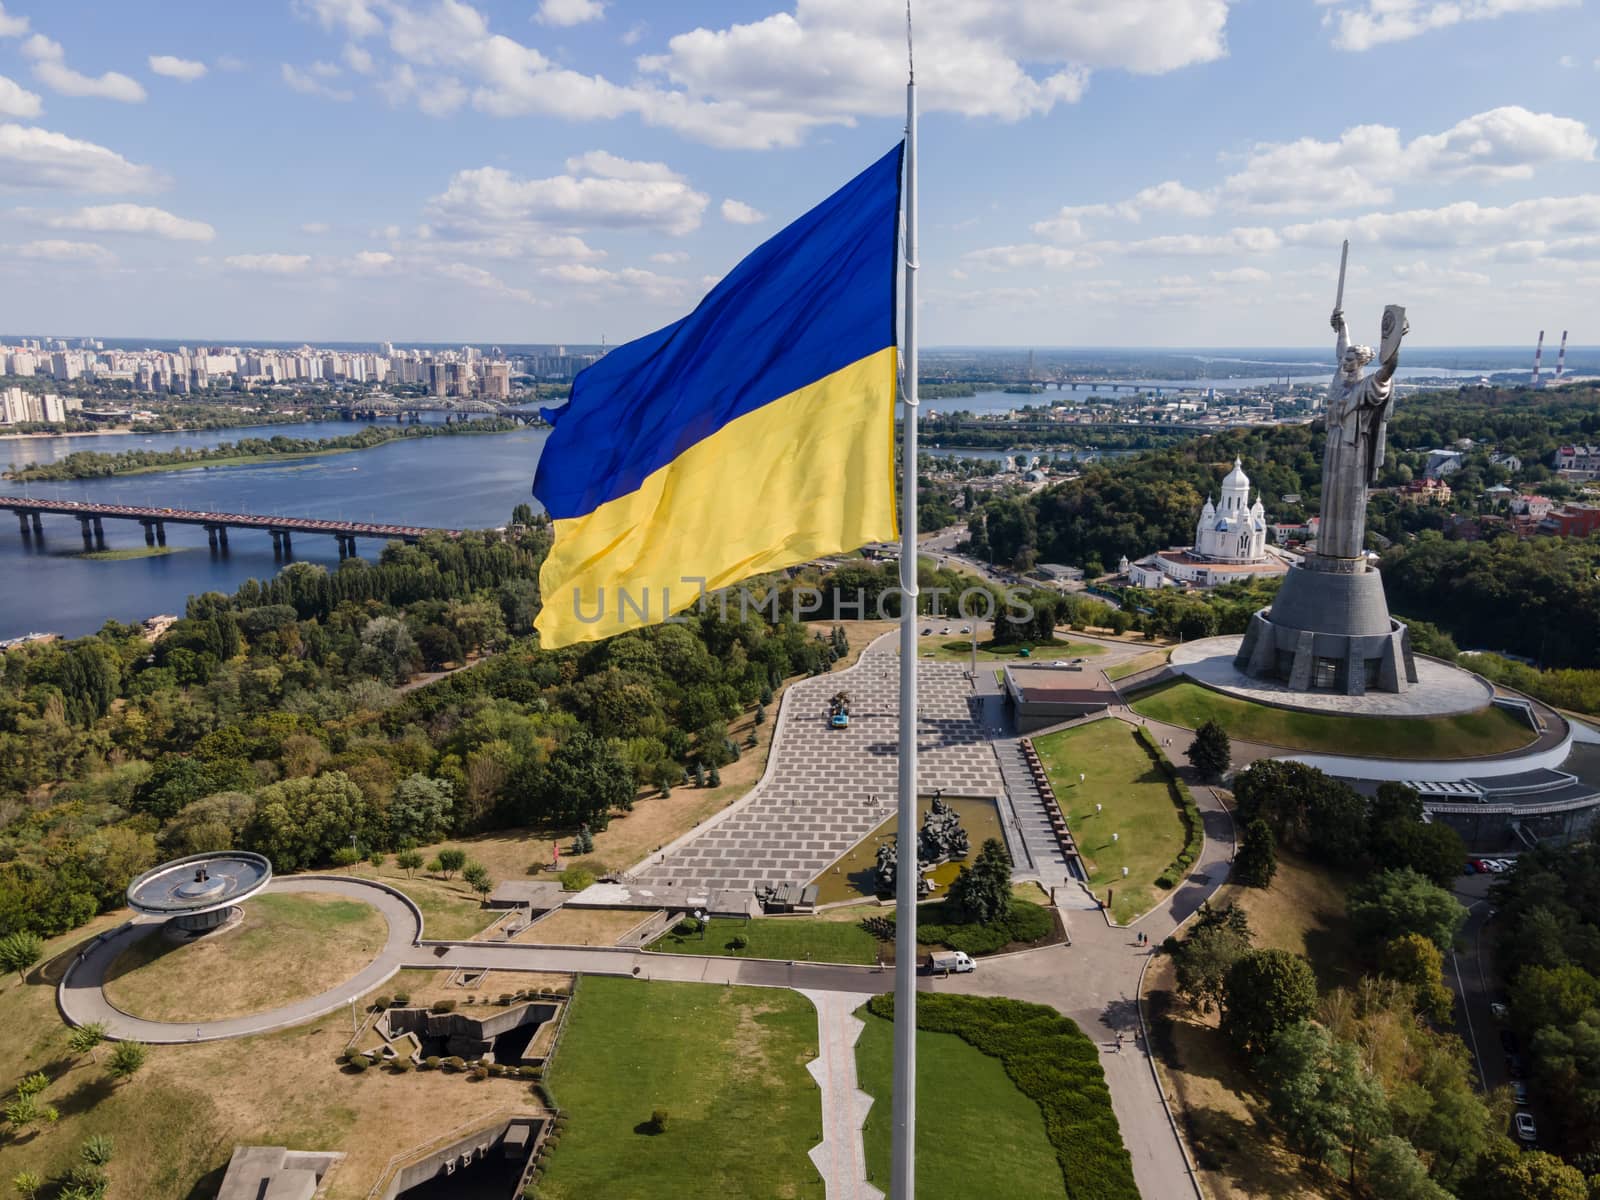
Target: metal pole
<point>903,1168</point>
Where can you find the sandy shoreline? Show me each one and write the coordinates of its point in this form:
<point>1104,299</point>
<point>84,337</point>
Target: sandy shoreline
<point>23,437</point>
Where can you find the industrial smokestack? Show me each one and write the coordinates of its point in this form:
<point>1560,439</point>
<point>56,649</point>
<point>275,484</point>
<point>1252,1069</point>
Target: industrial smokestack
<point>1561,358</point>
<point>1538,355</point>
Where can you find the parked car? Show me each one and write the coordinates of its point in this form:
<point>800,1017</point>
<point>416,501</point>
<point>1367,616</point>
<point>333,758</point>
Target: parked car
<point>1470,868</point>
<point>950,962</point>
<point>1498,1011</point>
<point>1508,1042</point>
<point>1514,1067</point>
<point>1527,1131</point>
<point>1480,864</point>
<point>966,629</point>
<point>1519,1091</point>
<point>927,632</point>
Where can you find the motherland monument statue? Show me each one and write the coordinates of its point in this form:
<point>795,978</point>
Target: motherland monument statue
<point>1329,628</point>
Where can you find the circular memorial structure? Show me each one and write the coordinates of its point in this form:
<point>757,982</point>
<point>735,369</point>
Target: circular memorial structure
<point>200,892</point>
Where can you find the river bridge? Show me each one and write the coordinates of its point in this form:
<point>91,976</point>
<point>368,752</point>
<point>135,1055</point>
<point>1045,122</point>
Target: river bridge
<point>216,524</point>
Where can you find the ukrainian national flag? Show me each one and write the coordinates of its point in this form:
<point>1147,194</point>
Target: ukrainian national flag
<point>755,433</point>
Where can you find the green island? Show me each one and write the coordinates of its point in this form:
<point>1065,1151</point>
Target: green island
<point>91,464</point>
<point>1462,735</point>
<point>130,552</point>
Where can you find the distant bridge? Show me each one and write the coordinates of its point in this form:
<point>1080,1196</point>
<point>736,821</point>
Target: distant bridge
<point>373,407</point>
<point>216,524</point>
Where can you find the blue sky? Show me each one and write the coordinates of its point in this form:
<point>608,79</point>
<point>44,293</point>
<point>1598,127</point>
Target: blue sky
<point>1095,172</point>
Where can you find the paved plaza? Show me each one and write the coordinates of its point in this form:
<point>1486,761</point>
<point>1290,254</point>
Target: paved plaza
<point>1440,689</point>
<point>826,789</point>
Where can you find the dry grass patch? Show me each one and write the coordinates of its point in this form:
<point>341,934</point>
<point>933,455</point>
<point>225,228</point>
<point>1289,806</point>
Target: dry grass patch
<point>289,946</point>
<point>176,1122</point>
<point>582,927</point>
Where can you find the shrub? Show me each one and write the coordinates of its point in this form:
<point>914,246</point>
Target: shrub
<point>575,879</point>
<point>455,1063</point>
<point>478,1074</point>
<point>96,1149</point>
<point>32,1085</point>
<point>402,1064</point>
<point>658,1120</point>
<point>442,1006</point>
<point>527,1071</point>
<point>1167,880</point>
<point>401,999</point>
<point>431,1063</point>
<point>738,942</point>
<point>358,1062</point>
<point>942,924</point>
<point>381,1003</point>
<point>345,856</point>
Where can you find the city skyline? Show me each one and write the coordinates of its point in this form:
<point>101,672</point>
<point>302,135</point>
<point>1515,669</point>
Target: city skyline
<point>372,170</point>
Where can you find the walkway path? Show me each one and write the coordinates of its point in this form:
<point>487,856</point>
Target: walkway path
<point>82,997</point>
<point>840,1156</point>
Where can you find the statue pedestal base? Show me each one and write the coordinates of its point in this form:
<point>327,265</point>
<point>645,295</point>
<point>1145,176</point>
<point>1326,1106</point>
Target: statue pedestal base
<point>1329,630</point>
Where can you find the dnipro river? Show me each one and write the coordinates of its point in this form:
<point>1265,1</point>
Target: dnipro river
<point>458,482</point>
<point>464,482</point>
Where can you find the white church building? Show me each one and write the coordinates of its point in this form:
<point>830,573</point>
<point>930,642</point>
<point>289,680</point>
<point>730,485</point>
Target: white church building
<point>1230,545</point>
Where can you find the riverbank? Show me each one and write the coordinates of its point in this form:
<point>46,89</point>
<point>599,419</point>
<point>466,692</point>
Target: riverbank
<point>88,465</point>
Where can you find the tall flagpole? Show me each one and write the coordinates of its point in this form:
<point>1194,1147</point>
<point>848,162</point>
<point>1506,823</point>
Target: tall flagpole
<point>903,1168</point>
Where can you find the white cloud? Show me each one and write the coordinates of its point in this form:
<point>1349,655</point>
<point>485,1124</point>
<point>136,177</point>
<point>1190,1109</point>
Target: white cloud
<point>609,166</point>
<point>18,101</point>
<point>316,227</point>
<point>1363,166</point>
<point>33,158</point>
<point>308,85</point>
<point>631,280</point>
<point>177,68</point>
<point>139,219</point>
<point>1241,275</point>
<point>359,59</point>
<point>56,250</point>
<point>1466,223</point>
<point>1364,24</point>
<point>270,264</point>
<point>1170,198</point>
<point>827,62</point>
<point>740,213</point>
<point>1028,254</point>
<point>1430,278</point>
<point>372,261</point>
<point>669,258</point>
<point>491,202</point>
<point>570,12</point>
<point>12,26</point>
<point>50,68</point>
<point>1239,241</point>
<point>477,277</point>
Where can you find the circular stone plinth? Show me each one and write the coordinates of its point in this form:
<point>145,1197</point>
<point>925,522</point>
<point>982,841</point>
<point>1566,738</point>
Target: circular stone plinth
<point>1440,690</point>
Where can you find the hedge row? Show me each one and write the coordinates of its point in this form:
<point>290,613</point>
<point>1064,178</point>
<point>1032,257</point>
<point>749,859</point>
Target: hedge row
<point>940,924</point>
<point>1051,1062</point>
<point>1188,812</point>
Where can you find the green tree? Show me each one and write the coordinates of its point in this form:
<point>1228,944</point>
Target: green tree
<point>1265,991</point>
<point>1210,753</point>
<point>23,1112</point>
<point>421,809</point>
<point>1396,1173</point>
<point>983,890</point>
<point>1394,903</point>
<point>477,877</point>
<point>86,1038</point>
<point>408,861</point>
<point>127,1058</point>
<point>452,860</point>
<point>1202,960</point>
<point>19,951</point>
<point>300,823</point>
<point>1508,1174</point>
<point>1257,860</point>
<point>1327,1102</point>
<point>1431,848</point>
<point>1414,960</point>
<point>1558,996</point>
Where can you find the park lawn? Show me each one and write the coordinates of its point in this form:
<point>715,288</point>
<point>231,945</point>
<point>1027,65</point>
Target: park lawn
<point>727,1064</point>
<point>801,939</point>
<point>967,1109</point>
<point>289,946</point>
<point>1303,912</point>
<point>1132,666</point>
<point>174,1132</point>
<point>1464,735</point>
<point>1137,806</point>
<point>451,911</point>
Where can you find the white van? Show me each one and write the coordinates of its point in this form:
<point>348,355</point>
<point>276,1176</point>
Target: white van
<point>950,962</point>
